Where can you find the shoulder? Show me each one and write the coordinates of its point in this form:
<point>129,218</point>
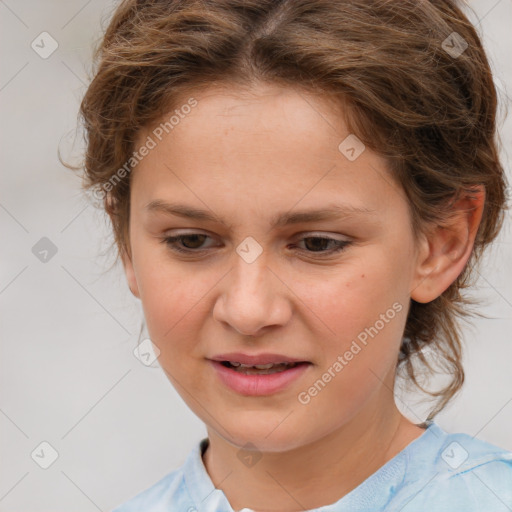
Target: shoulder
<point>156,497</point>
<point>182,489</point>
<point>172,491</point>
<point>457,472</point>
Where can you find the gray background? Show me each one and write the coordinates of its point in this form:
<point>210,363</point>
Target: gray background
<point>68,326</point>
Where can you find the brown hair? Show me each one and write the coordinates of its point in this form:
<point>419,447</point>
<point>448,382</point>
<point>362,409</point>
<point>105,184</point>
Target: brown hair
<point>430,111</point>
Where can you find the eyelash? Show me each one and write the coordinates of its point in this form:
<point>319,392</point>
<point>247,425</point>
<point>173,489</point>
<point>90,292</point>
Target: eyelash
<point>171,244</point>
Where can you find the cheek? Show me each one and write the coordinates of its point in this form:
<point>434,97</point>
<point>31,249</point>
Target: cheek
<point>177,302</point>
<point>339,305</point>
<point>170,303</point>
<point>353,296</point>
<point>362,313</point>
<point>167,291</point>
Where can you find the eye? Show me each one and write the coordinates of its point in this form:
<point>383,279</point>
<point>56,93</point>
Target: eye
<point>189,243</point>
<point>319,244</point>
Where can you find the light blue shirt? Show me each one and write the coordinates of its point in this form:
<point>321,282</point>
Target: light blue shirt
<point>436,472</point>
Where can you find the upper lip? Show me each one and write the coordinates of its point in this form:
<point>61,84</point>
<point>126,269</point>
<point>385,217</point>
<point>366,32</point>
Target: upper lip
<point>249,359</point>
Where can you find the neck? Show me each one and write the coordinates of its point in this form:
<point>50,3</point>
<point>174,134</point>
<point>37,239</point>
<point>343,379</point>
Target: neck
<point>317,474</point>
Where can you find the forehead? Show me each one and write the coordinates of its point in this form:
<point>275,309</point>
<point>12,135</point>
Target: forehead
<point>270,145</point>
<point>244,117</point>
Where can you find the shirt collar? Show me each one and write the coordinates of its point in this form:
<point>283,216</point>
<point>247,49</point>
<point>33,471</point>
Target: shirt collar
<point>373,493</point>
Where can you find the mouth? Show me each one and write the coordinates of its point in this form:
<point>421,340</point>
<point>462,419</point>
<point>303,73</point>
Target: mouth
<point>258,375</point>
<point>260,369</point>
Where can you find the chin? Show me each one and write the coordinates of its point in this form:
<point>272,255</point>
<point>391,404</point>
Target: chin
<point>272,435</point>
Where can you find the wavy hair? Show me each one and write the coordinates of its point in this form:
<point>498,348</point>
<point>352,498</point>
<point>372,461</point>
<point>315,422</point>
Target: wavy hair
<point>412,73</point>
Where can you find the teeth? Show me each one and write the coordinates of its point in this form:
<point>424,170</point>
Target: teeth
<point>260,369</point>
<point>257,366</point>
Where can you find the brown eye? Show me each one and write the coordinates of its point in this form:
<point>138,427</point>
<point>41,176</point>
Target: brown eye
<point>318,244</point>
<point>188,243</point>
<point>193,241</point>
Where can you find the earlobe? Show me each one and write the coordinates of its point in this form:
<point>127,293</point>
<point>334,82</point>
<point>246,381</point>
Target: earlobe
<point>445,250</point>
<point>130,273</point>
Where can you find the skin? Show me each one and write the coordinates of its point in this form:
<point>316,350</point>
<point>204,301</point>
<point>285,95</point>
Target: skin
<point>246,156</point>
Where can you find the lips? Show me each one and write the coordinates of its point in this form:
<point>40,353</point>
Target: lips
<point>258,374</point>
<point>258,369</point>
<point>256,359</point>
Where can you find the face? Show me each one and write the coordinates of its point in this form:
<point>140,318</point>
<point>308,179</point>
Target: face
<point>330,291</point>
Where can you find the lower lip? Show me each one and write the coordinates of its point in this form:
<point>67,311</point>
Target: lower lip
<point>258,385</point>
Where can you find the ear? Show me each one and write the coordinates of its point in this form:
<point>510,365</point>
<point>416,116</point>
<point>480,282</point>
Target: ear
<point>130,273</point>
<point>445,250</point>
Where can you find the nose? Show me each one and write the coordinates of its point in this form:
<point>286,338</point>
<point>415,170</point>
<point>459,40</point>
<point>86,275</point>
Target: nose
<point>252,298</point>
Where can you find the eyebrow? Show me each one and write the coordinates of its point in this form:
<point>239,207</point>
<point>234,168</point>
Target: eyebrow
<point>332,212</point>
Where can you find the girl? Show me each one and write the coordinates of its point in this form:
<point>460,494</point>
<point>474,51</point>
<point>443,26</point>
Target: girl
<point>299,191</point>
